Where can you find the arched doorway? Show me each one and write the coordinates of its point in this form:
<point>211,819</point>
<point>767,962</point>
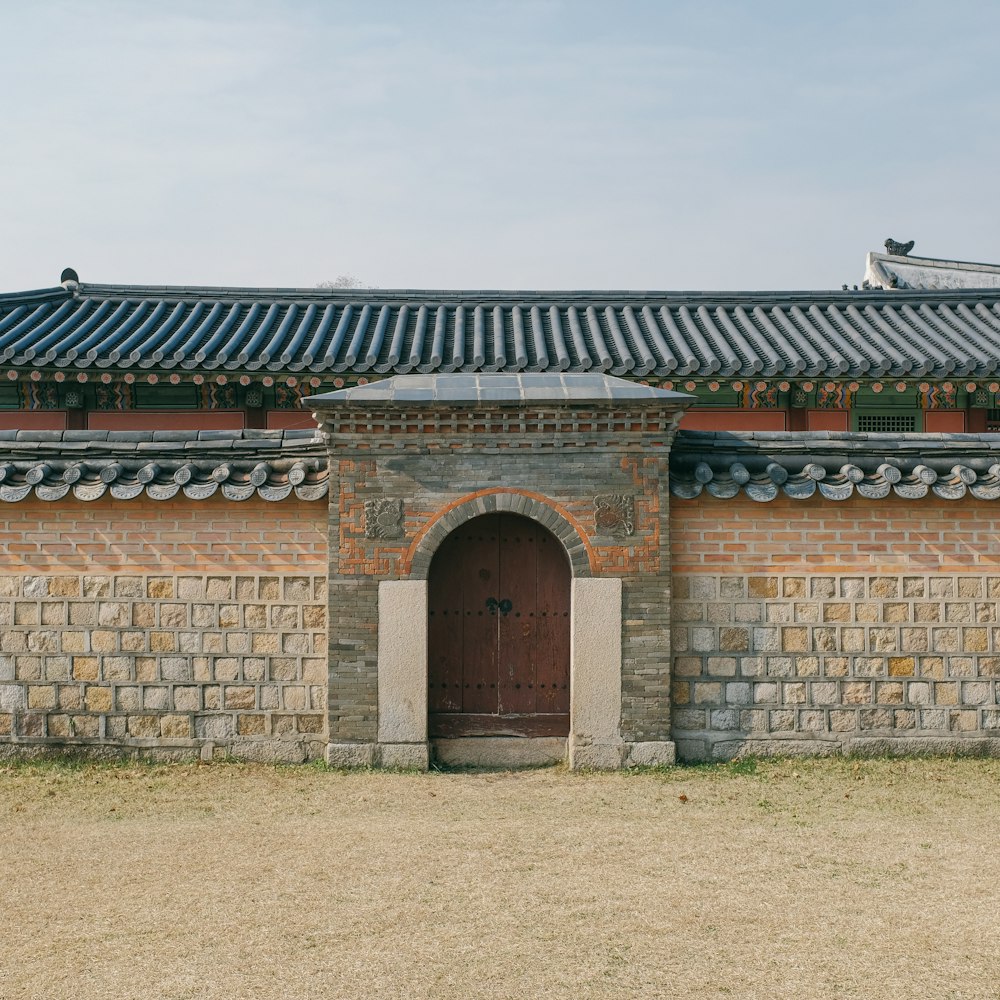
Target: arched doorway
<point>498,631</point>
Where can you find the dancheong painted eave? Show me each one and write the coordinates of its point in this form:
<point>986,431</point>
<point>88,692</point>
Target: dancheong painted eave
<point>859,334</point>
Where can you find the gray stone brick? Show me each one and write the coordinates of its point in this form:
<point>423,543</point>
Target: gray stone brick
<point>738,693</point>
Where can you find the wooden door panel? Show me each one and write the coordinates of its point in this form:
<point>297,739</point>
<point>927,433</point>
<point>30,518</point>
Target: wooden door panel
<point>517,618</point>
<point>552,614</point>
<point>498,631</point>
<point>480,572</point>
<point>445,633</point>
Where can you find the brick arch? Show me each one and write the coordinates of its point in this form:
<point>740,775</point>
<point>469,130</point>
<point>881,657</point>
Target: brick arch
<point>550,515</point>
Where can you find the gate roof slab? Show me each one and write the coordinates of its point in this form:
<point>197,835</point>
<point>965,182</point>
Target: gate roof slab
<point>499,390</point>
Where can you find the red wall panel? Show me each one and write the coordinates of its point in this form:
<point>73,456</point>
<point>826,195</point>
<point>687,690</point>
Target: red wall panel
<point>944,421</point>
<point>733,420</point>
<point>165,420</point>
<point>290,420</point>
<point>829,420</point>
<point>32,420</point>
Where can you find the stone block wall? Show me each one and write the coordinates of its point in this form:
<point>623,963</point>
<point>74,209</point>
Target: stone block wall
<point>164,629</point>
<point>822,626</point>
<point>186,627</point>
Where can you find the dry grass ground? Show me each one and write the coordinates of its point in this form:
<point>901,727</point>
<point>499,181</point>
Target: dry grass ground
<point>805,879</point>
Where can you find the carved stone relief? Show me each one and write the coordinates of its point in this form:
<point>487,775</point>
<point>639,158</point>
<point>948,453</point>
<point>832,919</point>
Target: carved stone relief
<point>383,518</point>
<point>615,513</point>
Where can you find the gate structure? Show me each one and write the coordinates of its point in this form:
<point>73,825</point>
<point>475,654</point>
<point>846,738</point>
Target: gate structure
<point>499,570</point>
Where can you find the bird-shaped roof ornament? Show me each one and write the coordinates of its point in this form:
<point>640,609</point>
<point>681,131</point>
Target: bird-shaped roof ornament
<point>896,248</point>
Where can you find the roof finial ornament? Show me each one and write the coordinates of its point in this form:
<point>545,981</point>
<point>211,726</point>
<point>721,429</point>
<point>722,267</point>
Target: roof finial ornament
<point>69,279</point>
<point>898,249</point>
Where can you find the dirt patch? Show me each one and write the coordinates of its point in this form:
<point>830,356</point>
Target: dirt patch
<point>806,879</point>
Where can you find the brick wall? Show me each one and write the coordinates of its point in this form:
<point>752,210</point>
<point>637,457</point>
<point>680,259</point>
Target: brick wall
<point>167,629</point>
<point>817,626</point>
<point>185,627</point>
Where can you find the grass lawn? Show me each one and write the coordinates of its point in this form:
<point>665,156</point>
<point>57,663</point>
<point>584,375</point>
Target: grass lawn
<point>812,879</point>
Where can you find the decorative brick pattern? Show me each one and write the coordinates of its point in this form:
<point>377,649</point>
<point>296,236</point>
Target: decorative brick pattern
<point>503,430</point>
<point>384,518</point>
<point>362,482</point>
<point>615,513</point>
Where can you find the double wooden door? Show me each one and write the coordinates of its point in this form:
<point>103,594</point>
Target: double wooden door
<point>498,631</point>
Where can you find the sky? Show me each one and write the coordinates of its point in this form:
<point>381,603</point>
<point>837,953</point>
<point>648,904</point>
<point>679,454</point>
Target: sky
<point>547,144</point>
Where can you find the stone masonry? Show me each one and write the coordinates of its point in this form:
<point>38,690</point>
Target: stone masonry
<point>159,636</point>
<point>217,625</point>
<point>809,626</point>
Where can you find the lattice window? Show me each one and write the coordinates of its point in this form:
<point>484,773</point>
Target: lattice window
<point>887,423</point>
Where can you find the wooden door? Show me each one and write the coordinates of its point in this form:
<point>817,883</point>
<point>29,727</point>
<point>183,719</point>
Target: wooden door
<point>498,631</point>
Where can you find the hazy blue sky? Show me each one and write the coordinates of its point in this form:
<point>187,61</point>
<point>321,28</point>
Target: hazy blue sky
<point>492,144</point>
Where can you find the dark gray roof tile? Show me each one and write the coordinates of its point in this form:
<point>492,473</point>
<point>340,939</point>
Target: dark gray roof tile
<point>86,435</point>
<point>130,465</point>
<point>31,436</point>
<point>836,465</point>
<point>947,333</point>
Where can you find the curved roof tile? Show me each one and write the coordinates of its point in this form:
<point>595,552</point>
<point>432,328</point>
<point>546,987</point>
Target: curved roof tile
<point>88,465</point>
<point>766,465</point>
<point>825,334</point>
<point>275,465</point>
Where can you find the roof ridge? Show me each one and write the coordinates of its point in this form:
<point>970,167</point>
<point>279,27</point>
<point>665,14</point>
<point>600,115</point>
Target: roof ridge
<point>237,291</point>
<point>943,261</point>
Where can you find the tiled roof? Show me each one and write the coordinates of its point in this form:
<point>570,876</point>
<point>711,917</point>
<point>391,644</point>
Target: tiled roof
<point>86,465</point>
<point>160,464</point>
<point>661,334</point>
<point>765,465</point>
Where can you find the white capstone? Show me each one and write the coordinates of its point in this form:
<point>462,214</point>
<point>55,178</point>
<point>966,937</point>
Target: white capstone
<point>596,756</point>
<point>596,675</point>
<point>350,754</point>
<point>650,754</point>
<point>402,661</point>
